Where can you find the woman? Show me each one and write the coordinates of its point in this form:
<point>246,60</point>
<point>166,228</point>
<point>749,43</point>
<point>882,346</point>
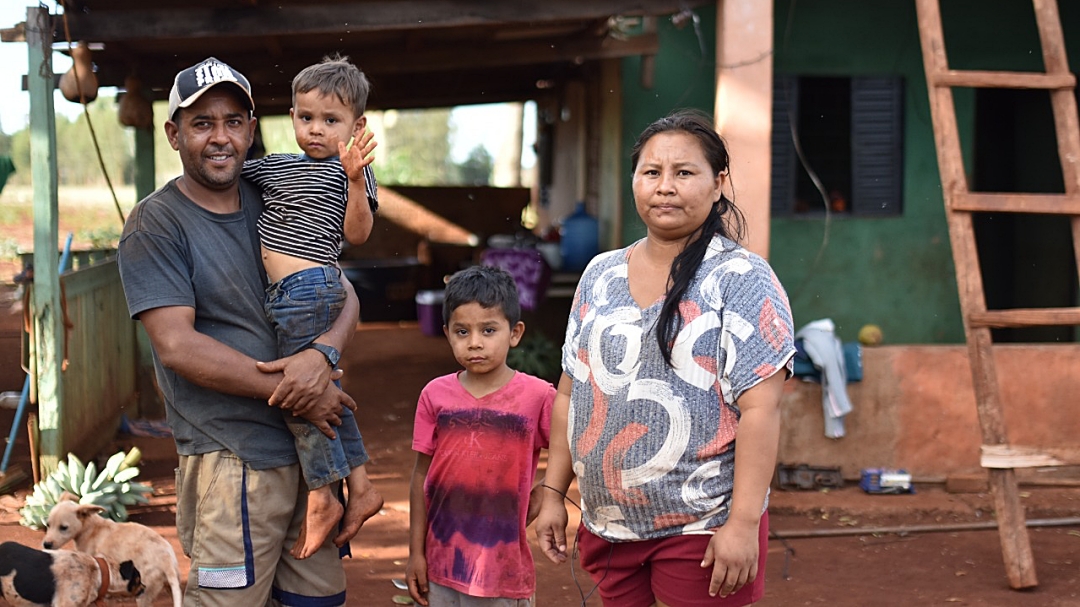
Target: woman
<point>675,345</point>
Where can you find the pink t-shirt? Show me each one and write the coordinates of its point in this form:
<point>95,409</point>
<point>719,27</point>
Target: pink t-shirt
<point>484,454</point>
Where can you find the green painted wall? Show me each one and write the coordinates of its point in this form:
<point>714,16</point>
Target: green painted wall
<point>683,77</point>
<point>895,272</point>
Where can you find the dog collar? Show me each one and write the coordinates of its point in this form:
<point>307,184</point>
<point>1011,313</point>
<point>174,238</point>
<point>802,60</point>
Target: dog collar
<point>104,568</point>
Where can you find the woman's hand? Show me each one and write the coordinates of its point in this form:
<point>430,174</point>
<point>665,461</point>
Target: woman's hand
<point>551,529</point>
<point>733,556</point>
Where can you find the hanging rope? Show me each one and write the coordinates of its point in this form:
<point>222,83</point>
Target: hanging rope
<point>86,113</point>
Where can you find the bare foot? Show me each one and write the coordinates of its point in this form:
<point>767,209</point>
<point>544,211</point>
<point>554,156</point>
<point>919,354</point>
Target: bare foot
<point>364,503</point>
<point>323,512</point>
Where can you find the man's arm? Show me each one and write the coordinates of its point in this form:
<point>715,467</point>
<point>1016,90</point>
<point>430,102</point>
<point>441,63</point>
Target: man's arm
<point>305,373</point>
<point>211,364</point>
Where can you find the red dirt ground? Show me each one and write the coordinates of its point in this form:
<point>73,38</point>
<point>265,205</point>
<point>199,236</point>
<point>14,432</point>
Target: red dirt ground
<point>389,364</point>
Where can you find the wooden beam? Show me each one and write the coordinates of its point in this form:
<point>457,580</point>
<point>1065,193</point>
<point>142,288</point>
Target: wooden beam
<point>499,72</point>
<point>1055,204</point>
<point>327,18</point>
<point>1025,317</point>
<point>47,359</point>
<point>1003,80</point>
<point>475,56</point>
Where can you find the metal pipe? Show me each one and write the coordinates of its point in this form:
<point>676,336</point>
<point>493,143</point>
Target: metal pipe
<point>904,529</point>
<point>24,398</point>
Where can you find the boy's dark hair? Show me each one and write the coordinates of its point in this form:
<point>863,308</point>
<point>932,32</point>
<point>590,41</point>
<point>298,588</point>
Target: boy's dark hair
<point>335,74</point>
<point>486,285</point>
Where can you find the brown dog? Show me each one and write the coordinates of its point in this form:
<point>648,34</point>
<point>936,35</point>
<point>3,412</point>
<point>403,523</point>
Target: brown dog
<point>61,578</point>
<point>93,534</point>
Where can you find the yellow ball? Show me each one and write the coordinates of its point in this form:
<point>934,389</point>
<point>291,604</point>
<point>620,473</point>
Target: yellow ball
<point>870,335</point>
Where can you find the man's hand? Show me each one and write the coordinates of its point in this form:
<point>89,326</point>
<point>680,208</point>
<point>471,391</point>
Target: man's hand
<point>306,377</point>
<point>358,156</point>
<point>325,412</point>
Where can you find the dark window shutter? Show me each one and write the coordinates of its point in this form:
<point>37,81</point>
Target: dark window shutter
<point>785,109</point>
<point>877,108</point>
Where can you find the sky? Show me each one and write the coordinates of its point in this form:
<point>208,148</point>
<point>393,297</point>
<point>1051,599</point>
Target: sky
<point>15,102</point>
<point>470,121</point>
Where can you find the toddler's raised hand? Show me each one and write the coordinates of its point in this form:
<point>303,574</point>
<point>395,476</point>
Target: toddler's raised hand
<point>357,156</point>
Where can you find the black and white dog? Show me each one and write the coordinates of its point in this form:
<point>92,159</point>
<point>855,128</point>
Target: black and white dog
<point>62,578</point>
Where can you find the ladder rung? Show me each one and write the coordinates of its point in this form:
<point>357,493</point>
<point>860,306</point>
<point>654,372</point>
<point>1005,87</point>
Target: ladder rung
<point>1054,204</point>
<point>1025,317</point>
<point>1003,80</point>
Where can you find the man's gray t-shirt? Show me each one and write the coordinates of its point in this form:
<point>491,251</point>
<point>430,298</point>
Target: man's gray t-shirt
<point>175,253</point>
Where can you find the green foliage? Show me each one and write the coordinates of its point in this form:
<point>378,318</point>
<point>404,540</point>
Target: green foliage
<point>166,160</point>
<point>9,248</point>
<point>113,488</point>
<point>476,170</point>
<point>278,135</point>
<point>105,237</point>
<point>76,157</point>
<point>536,355</point>
<point>416,148</point>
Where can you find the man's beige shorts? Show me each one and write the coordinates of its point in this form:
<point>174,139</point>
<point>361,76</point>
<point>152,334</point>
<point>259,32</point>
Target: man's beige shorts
<point>237,526</point>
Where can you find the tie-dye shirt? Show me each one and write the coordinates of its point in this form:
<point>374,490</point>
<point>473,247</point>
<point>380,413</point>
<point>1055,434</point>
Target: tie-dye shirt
<point>653,445</point>
<point>484,454</point>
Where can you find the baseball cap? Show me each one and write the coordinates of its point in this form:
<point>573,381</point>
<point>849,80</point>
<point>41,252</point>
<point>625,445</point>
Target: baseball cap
<point>191,83</point>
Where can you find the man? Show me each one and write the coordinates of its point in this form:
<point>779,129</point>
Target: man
<point>192,275</point>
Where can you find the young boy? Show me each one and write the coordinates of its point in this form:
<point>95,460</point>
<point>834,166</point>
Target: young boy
<point>478,435</point>
<point>310,199</point>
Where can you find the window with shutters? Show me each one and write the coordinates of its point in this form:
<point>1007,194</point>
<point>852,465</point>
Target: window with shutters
<point>849,133</point>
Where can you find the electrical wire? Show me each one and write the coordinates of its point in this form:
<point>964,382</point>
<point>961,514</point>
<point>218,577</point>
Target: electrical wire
<point>794,293</point>
<point>86,113</point>
<point>574,555</point>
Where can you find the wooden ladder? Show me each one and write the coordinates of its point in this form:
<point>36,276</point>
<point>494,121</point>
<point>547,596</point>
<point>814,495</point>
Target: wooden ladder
<point>998,456</point>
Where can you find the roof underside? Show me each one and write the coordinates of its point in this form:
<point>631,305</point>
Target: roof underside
<point>417,53</point>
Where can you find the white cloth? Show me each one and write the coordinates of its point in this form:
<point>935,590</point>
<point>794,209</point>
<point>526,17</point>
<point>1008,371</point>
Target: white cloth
<point>827,354</point>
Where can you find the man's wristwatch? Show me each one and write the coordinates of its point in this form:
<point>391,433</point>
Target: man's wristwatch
<point>330,352</point>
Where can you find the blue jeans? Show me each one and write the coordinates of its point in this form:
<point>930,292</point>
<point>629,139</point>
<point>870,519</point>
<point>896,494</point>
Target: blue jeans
<point>301,307</point>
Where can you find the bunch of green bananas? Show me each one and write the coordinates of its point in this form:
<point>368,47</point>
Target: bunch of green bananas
<point>112,488</point>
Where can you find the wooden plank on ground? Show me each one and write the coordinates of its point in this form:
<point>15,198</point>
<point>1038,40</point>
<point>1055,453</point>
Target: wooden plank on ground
<point>1012,456</point>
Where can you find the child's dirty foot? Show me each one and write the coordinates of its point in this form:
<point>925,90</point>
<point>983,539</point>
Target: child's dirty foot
<point>323,512</point>
<point>361,507</point>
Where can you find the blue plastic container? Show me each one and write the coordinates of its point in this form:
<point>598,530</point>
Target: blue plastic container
<point>579,239</point>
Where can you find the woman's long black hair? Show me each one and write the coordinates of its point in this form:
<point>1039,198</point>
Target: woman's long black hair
<point>725,218</point>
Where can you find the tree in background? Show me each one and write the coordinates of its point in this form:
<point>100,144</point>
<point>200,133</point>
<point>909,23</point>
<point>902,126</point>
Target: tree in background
<point>477,168</point>
<point>414,148</point>
<point>76,158</point>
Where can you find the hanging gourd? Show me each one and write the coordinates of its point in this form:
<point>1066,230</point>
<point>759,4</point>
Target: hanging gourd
<point>85,89</point>
<point>135,109</point>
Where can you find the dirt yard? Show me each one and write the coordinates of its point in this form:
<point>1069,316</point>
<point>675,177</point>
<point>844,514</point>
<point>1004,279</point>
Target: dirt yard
<point>389,364</point>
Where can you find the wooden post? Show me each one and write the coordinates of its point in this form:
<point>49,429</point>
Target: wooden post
<point>48,319</point>
<point>744,74</point>
<point>144,163</point>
